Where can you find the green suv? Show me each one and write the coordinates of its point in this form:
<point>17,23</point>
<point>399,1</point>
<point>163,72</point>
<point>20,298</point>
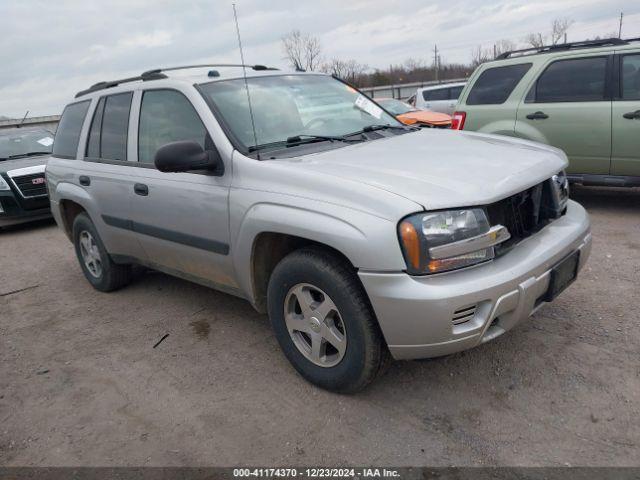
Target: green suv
<point>583,98</point>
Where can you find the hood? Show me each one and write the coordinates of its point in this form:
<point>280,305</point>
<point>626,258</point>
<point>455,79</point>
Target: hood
<point>425,116</point>
<point>442,168</point>
<point>6,165</point>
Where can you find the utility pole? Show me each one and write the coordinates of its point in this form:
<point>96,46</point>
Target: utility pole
<point>620,28</point>
<point>565,37</point>
<point>436,61</point>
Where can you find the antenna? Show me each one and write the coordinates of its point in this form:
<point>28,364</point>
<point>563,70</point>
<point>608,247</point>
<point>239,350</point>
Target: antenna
<point>23,118</point>
<point>246,83</point>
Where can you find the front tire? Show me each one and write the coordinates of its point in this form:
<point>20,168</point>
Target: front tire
<point>324,322</point>
<point>98,267</point>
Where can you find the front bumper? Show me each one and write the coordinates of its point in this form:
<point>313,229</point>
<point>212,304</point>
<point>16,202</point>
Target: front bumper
<point>437,315</point>
<point>14,210</point>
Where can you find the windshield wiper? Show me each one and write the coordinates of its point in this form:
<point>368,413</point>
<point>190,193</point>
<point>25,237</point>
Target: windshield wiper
<point>386,126</point>
<point>28,154</point>
<point>303,139</point>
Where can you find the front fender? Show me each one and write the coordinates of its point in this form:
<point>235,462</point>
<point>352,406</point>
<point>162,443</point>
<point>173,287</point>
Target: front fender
<point>368,242</point>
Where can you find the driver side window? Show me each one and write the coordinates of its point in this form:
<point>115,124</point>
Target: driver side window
<point>167,116</point>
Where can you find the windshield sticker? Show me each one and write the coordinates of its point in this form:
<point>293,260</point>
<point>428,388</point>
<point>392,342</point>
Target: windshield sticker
<point>46,141</point>
<point>363,103</point>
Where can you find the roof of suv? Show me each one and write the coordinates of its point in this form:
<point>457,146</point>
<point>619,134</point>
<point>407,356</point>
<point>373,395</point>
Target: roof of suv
<point>213,73</point>
<point>596,46</point>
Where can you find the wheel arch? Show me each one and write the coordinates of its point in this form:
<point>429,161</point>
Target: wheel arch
<point>269,232</point>
<point>71,200</point>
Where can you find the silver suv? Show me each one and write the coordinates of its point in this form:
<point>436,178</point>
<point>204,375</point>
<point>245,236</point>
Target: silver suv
<point>359,236</point>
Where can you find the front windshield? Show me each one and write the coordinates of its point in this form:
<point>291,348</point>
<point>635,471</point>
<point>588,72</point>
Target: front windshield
<point>19,143</point>
<point>396,106</point>
<point>287,106</point>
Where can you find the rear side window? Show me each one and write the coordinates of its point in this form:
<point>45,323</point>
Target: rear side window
<point>109,128</point>
<point>68,133</point>
<point>494,85</point>
<point>578,80</point>
<point>454,92</point>
<point>437,94</point>
<point>167,116</point>
<point>630,77</point>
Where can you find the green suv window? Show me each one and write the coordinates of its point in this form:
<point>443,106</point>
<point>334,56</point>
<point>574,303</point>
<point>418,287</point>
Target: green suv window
<point>575,80</point>
<point>630,77</point>
<point>494,85</point>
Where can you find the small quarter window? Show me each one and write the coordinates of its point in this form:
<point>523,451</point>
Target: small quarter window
<point>93,145</point>
<point>68,133</point>
<point>494,85</point>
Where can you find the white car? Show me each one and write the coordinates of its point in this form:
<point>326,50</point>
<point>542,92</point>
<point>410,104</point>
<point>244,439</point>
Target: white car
<point>438,98</point>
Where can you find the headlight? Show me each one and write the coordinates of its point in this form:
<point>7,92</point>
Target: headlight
<point>435,242</point>
<point>560,191</point>
<point>3,184</point>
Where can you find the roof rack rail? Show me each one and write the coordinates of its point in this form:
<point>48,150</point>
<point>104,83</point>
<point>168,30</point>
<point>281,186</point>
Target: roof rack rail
<point>156,74</point>
<point>233,65</point>
<point>114,83</point>
<point>566,46</point>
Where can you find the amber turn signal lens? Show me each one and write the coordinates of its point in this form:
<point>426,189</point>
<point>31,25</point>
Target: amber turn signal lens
<point>411,243</point>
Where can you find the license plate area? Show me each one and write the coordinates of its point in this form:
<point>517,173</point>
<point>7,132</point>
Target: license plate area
<point>562,275</point>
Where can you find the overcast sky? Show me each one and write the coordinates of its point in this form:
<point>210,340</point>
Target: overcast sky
<point>52,49</point>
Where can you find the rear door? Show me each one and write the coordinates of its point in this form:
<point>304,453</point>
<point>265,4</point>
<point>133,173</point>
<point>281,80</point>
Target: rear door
<point>625,155</point>
<point>106,174</point>
<point>181,219</point>
<point>569,106</point>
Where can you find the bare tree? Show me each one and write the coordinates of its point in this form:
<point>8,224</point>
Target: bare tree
<point>559,28</point>
<point>480,55</point>
<point>303,51</point>
<point>350,71</point>
<point>312,53</point>
<point>503,46</point>
<point>536,40</point>
<point>411,64</point>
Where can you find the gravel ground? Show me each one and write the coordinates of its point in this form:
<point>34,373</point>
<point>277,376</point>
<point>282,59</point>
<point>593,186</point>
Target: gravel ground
<point>81,384</point>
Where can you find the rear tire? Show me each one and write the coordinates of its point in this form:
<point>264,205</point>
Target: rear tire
<point>315,296</point>
<point>98,267</point>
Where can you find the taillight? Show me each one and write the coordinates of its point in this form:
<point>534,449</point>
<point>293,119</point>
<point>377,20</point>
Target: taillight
<point>457,122</point>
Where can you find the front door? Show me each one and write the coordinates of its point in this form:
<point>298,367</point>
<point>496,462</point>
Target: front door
<point>625,155</point>
<point>569,107</point>
<point>181,219</point>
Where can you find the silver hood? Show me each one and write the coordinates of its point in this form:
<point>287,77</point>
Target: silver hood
<point>443,168</point>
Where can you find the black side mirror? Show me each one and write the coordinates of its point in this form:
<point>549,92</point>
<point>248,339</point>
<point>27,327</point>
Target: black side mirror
<point>187,155</point>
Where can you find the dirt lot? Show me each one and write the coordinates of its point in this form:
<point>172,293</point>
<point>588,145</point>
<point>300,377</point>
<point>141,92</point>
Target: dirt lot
<point>80,383</point>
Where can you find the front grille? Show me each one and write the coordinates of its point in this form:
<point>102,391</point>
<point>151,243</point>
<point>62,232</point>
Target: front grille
<point>524,213</point>
<point>33,185</point>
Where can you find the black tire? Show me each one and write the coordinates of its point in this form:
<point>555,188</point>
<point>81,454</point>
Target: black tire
<point>365,354</point>
<point>112,275</point>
